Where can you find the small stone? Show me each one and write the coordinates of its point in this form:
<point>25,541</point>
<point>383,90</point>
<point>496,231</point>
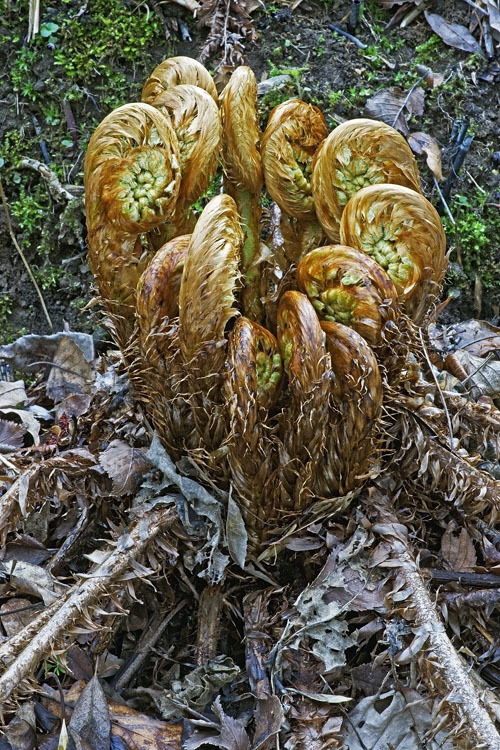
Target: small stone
<point>39,85</point>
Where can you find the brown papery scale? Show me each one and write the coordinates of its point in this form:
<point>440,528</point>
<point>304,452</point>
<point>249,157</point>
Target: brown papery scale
<point>402,232</point>
<point>357,402</point>
<point>195,118</point>
<point>357,154</point>
<point>346,286</point>
<point>252,384</point>
<point>132,178</point>
<point>175,71</point>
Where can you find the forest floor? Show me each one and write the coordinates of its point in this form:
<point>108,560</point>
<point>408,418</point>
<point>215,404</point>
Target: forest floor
<point>126,601</point>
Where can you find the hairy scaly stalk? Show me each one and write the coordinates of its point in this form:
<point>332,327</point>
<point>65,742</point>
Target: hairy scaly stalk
<point>356,403</point>
<point>195,119</point>
<point>132,181</point>
<point>346,286</point>
<point>357,154</point>
<point>243,177</point>
<point>402,231</point>
<point>293,134</point>
<point>251,386</point>
<point>305,422</point>
<point>206,304</point>
<point>175,71</point>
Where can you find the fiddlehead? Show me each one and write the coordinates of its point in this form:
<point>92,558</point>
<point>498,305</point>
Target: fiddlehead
<point>357,154</point>
<point>195,119</point>
<point>243,176</point>
<point>293,134</point>
<point>347,286</point>
<point>132,181</point>
<point>402,232</point>
<point>175,71</point>
<point>252,382</point>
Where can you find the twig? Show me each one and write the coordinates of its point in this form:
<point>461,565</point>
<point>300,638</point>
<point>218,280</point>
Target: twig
<point>352,38</point>
<point>443,202</point>
<point>146,643</point>
<point>464,578</point>
<point>58,191</point>
<point>407,97</point>
<point>118,559</point>
<point>18,248</point>
<point>448,666</point>
<point>411,16</point>
<point>441,395</point>
<point>209,610</point>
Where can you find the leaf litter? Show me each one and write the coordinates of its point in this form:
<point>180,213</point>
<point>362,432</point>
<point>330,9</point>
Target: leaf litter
<point>100,527</point>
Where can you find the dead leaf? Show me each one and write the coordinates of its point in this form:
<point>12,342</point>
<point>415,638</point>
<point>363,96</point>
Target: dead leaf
<point>32,348</point>
<point>125,465</point>
<point>494,17</point>
<point>12,394</point>
<point>236,534</point>
<point>452,34</point>
<point>141,732</point>
<point>90,718</point>
<point>24,419</point>
<point>422,143</point>
<point>432,79</point>
<point>458,551</point>
<point>11,616</point>
<point>71,373</point>
<point>483,374</point>
<point>21,730</point>
<point>32,579</point>
<point>11,436</point>
<point>393,106</point>
<point>73,406</point>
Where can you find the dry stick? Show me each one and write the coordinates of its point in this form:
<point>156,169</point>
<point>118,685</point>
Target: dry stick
<point>442,653</point>
<point>209,613</point>
<point>18,248</point>
<point>57,190</point>
<point>100,581</point>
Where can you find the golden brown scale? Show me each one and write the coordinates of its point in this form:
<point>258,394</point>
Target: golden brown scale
<point>356,154</point>
<point>252,383</point>
<point>243,176</point>
<point>347,286</point>
<point>132,179</point>
<point>195,118</point>
<point>175,71</point>
<point>402,232</point>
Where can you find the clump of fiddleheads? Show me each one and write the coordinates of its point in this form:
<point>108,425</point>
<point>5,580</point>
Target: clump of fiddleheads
<point>132,179</point>
<point>357,154</point>
<point>175,71</point>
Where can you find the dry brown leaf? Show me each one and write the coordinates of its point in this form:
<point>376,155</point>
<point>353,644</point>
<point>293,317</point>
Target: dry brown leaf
<point>90,720</point>
<point>393,106</point>
<point>452,34</point>
<point>12,394</point>
<point>483,375</point>
<point>72,373</point>
<point>141,732</point>
<point>11,436</point>
<point>458,550</point>
<point>125,465</point>
<point>11,616</point>
<point>422,143</point>
<point>32,579</point>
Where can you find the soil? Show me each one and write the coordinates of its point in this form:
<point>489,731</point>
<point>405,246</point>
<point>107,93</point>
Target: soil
<point>327,70</point>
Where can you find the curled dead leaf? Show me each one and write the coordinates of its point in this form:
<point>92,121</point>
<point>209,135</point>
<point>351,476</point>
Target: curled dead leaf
<point>423,143</point>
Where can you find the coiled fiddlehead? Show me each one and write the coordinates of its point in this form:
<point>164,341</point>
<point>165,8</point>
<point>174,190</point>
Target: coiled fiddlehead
<point>356,403</point>
<point>251,385</point>
<point>293,134</point>
<point>175,71</point>
<point>402,232</point>
<point>305,421</point>
<point>132,179</point>
<point>357,154</point>
<point>346,286</point>
<point>195,119</point>
<point>243,176</point>
<point>206,304</point>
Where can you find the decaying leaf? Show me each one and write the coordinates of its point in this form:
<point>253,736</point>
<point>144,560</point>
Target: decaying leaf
<point>452,34</point>
<point>11,436</point>
<point>33,579</point>
<point>90,718</point>
<point>422,143</point>
<point>141,732</point>
<point>125,465</point>
<point>230,736</point>
<point>394,106</point>
<point>31,348</point>
<point>12,616</point>
<point>71,372</point>
<point>483,374</point>
<point>458,549</point>
<point>12,393</point>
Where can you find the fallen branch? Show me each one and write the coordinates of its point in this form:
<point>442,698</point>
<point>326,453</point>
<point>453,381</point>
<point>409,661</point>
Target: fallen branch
<point>447,666</point>
<point>100,582</point>
<point>56,189</point>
